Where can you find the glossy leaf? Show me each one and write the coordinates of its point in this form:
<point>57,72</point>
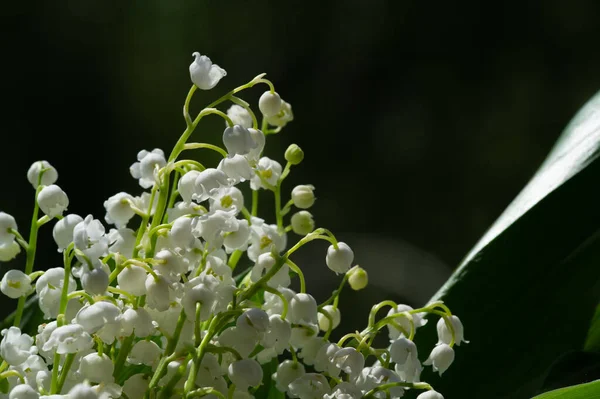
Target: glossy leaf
<point>590,390</point>
<point>527,291</point>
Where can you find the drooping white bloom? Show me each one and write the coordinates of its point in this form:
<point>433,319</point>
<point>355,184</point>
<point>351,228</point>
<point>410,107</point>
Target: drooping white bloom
<point>309,351</point>
<point>44,332</point>
<point>95,281</point>
<point>254,319</point>
<point>15,347</point>
<point>49,289</point>
<point>207,183</point>
<point>303,196</point>
<point>23,391</point>
<point>279,334</point>
<point>403,350</point>
<point>445,335</point>
<point>70,338</point>
<point>267,171</point>
<point>372,377</point>
<point>89,237</point>
<point>63,230</point>
<point>122,241</point>
<point>325,359</point>
<point>204,73</point>
<point>98,315</point>
<point>148,163</point>
<point>214,225</point>
<point>9,250</point>
<point>187,185</point>
<point>264,238</point>
<point>145,352</point>
<point>260,140</point>
<point>227,199</point>
<point>169,264</point>
<point>53,201</point>
<point>334,313</point>
<point>237,168</point>
<point>118,209</point>
<point>344,390</point>
<point>263,265</point>
<point>243,341</point>
<point>15,284</point>
<point>238,140</point>
<point>157,293</point>
<point>284,116</point>
<point>339,260</point>
<point>239,116</point>
<point>7,222</point>
<point>137,321</point>
<point>418,319</point>
<point>309,386</point>
<point>245,373</point>
<point>49,177</point>
<point>136,386</point>
<point>96,368</point>
<point>133,280</point>
<point>274,305</point>
<point>430,395</point>
<point>238,238</point>
<point>303,309</point>
<point>302,223</point>
<point>202,290</point>
<point>287,371</point>
<point>83,391</point>
<point>269,103</point>
<point>441,358</point>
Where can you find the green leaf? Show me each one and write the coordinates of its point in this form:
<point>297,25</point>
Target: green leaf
<point>527,291</point>
<point>131,370</point>
<point>590,390</point>
<point>592,342</point>
<point>4,386</point>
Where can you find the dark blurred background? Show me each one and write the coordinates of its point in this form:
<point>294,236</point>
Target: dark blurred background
<point>420,121</point>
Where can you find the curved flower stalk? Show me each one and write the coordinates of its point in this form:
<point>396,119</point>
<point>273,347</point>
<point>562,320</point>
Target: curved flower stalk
<point>161,310</point>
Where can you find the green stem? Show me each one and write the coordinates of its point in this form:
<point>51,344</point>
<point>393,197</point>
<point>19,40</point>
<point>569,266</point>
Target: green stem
<point>298,271</point>
<point>254,202</point>
<point>278,215</point>
<point>123,352</point>
<point>193,146</point>
<point>235,258</point>
<point>65,371</point>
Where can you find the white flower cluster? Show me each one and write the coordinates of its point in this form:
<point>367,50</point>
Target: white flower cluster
<point>163,312</point>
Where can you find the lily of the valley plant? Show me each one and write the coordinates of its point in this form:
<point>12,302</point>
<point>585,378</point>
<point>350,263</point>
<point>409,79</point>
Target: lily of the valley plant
<point>162,311</point>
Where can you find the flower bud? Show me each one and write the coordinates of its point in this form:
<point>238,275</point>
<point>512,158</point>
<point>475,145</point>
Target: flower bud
<point>245,373</point>
<point>445,335</point>
<point>339,260</point>
<point>239,116</point>
<point>430,395</point>
<point>15,284</point>
<point>53,201</point>
<point>336,316</point>
<point>303,196</point>
<point>402,350</point>
<point>83,391</point>
<point>135,386</point>
<point>95,282</point>
<point>144,352</point>
<point>23,391</point>
<point>133,280</point>
<point>255,319</point>
<point>358,278</point>
<point>204,73</point>
<point>237,140</point>
<point>302,223</point>
<point>309,385</point>
<point>7,222</point>
<point>96,368</point>
<point>441,358</point>
<point>294,154</point>
<point>269,103</point>
<point>157,293</point>
<point>138,321</point>
<point>303,309</point>
<point>49,177</point>
<point>118,209</point>
<point>63,231</point>
<point>284,116</point>
<point>9,250</point>
<point>287,371</point>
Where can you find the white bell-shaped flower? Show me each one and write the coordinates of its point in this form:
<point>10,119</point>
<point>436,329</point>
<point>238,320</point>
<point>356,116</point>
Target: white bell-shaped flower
<point>242,340</point>
<point>97,315</point>
<point>157,293</point>
<point>403,350</point>
<point>9,250</point>
<point>137,321</point>
<point>309,386</point>
<point>265,238</point>
<point>136,386</point>
<point>237,168</point>
<point>267,170</point>
<point>118,209</point>
<point>240,116</point>
<point>227,199</point>
<point>238,140</point>
<point>334,313</point>
<point>49,177</point>
<point>259,140</point>
<point>145,169</point>
<point>95,281</point>
<point>325,359</point>
<point>239,238</point>
<point>274,305</point>
<point>89,237</point>
<point>70,338</point>
<point>208,182</point>
<point>133,280</point>
<point>287,371</point>
<point>372,377</point>
<point>202,290</point>
<point>7,222</point>
<point>419,320</point>
<point>431,394</point>
<point>96,368</point>
<point>15,284</point>
<point>441,358</point>
<point>263,265</point>
<point>15,347</point>
<point>303,196</point>
<point>269,103</point>
<point>309,351</point>
<point>445,335</point>
<point>254,319</point>
<point>278,336</point>
<point>145,352</point>
<point>44,331</point>
<point>245,373</point>
<point>204,73</point>
<point>344,390</point>
<point>63,230</point>
<point>303,309</point>
<point>284,116</point>
<point>187,185</point>
<point>169,264</point>
<point>49,290</point>
<point>23,391</point>
<point>339,260</point>
<point>53,201</point>
<point>302,334</point>
<point>83,391</point>
<point>122,241</point>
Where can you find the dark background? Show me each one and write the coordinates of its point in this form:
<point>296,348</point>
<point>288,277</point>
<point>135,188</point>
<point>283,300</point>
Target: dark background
<point>420,121</point>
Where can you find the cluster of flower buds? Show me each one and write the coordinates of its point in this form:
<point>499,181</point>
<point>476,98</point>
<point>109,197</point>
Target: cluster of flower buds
<point>163,311</point>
